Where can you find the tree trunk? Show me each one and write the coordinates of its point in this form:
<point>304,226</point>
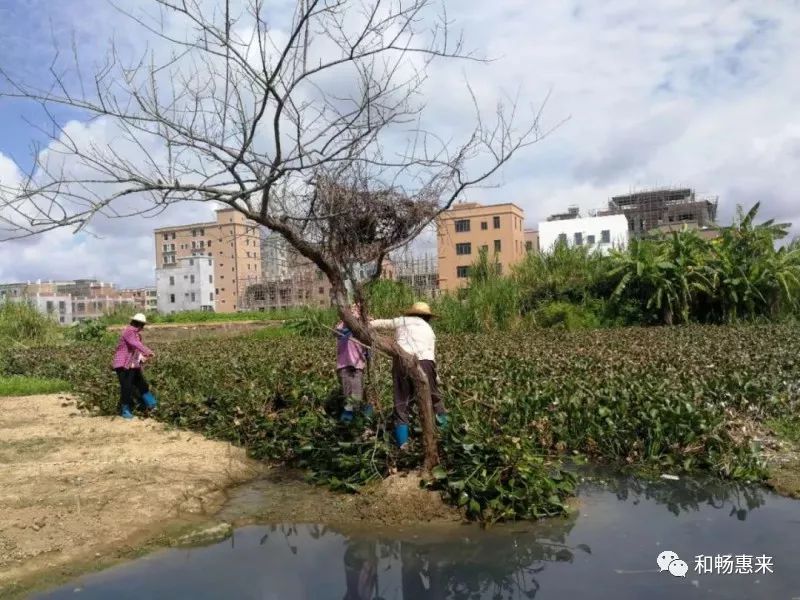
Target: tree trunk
<point>423,390</point>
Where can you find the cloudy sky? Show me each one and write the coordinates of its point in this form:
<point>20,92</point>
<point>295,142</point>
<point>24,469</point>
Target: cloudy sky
<point>660,93</point>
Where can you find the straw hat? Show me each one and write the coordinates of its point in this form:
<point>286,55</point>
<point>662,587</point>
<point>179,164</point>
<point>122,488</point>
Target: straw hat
<point>420,309</point>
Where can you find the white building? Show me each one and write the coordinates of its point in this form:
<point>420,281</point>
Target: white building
<point>598,233</point>
<point>276,255</point>
<point>189,285</point>
<point>58,307</point>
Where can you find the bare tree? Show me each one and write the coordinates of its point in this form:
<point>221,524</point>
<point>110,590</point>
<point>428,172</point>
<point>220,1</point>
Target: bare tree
<point>317,130</point>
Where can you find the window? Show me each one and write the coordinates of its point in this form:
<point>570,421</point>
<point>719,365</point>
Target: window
<point>193,297</point>
<point>166,247</point>
<point>194,234</point>
<point>321,290</point>
<point>211,296</point>
<point>202,244</point>
<point>578,238</point>
<point>202,232</point>
<point>171,280</point>
<point>209,261</point>
<point>590,240</point>
<point>216,290</point>
<point>173,235</point>
<point>528,246</point>
<point>485,248</point>
<point>462,272</point>
<point>484,225</point>
<point>562,238</point>
<point>462,225</point>
<point>191,262</point>
<point>172,247</point>
<point>605,236</point>
<point>191,279</point>
<point>61,319</point>
<point>210,279</point>
<point>49,306</point>
<point>166,236</point>
<point>496,222</point>
<point>209,243</point>
<point>172,298</point>
<point>194,244</point>
<point>462,249</point>
<point>497,245</point>
<point>62,306</point>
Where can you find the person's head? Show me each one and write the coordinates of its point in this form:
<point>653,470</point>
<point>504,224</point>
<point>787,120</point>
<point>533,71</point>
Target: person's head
<point>421,310</point>
<point>139,321</point>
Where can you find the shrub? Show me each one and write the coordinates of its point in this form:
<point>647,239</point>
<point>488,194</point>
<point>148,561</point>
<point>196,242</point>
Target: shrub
<point>566,316</point>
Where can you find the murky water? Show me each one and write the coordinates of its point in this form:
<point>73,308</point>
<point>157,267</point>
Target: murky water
<point>608,551</point>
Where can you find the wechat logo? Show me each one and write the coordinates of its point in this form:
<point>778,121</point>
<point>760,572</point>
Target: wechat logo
<point>669,561</point>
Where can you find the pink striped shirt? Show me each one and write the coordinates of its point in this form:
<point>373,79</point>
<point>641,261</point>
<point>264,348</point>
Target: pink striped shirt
<point>129,348</point>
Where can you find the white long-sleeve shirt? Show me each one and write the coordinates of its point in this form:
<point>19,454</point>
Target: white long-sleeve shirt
<point>413,334</point>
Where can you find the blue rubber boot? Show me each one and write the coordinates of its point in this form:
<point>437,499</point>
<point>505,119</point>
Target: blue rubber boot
<point>126,413</point>
<point>442,420</point>
<point>149,401</point>
<point>401,435</point>
<point>347,416</point>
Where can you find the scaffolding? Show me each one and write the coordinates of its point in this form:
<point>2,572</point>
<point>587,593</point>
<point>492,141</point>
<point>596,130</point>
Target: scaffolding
<point>662,210</point>
<point>420,273</point>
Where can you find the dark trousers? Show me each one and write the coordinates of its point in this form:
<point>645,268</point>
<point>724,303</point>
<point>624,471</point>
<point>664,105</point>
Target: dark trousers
<point>404,391</point>
<point>130,381</point>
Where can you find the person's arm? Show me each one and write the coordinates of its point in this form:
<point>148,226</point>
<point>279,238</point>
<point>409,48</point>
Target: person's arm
<point>385,323</point>
<point>132,340</point>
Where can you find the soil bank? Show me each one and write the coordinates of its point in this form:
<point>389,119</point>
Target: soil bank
<point>75,488</point>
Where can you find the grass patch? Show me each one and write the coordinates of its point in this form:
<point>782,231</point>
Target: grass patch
<point>786,428</point>
<point>18,385</point>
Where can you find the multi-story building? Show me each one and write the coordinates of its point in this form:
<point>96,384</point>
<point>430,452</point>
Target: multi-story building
<point>145,299</point>
<point>290,280</point>
<point>70,301</point>
<point>532,240</point>
<point>186,285</point>
<point>467,228</point>
<point>596,233</point>
<point>421,274</point>
<point>664,210</point>
<point>233,242</point>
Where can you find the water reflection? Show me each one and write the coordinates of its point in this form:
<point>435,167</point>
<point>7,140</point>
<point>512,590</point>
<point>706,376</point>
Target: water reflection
<point>685,495</point>
<point>361,570</point>
<point>607,551</point>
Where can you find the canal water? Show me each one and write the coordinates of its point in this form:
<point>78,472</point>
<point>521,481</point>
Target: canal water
<point>737,542</point>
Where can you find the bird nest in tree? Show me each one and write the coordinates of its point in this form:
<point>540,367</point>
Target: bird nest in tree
<point>363,224</point>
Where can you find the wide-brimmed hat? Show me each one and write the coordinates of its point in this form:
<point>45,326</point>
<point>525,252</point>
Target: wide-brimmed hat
<point>420,309</point>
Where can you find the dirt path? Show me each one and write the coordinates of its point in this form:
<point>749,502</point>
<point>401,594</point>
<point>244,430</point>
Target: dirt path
<point>73,487</point>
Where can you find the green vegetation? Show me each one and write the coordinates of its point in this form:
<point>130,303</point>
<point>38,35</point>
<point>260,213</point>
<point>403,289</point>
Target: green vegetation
<point>19,385</point>
<point>680,278</point>
<point>123,316</point>
<point>22,324</point>
<point>671,399</point>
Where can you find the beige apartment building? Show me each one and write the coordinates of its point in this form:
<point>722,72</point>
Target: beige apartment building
<point>233,242</point>
<point>467,228</point>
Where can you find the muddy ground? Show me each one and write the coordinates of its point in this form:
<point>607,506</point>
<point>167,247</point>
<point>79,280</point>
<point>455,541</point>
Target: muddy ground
<point>79,493</point>
<point>72,487</point>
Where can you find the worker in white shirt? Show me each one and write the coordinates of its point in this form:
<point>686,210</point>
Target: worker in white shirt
<point>413,334</point>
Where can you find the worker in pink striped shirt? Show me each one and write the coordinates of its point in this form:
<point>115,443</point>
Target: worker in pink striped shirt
<point>128,360</point>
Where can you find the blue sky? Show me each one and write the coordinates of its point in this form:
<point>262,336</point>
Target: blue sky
<point>668,92</point>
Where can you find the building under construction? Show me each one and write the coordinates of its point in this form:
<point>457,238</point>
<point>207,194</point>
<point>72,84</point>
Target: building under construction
<point>663,210</point>
<point>421,274</point>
